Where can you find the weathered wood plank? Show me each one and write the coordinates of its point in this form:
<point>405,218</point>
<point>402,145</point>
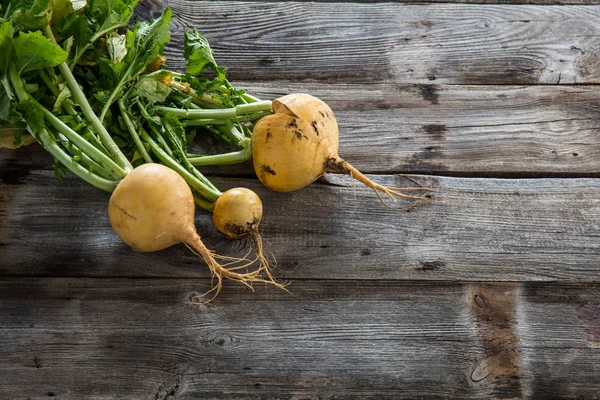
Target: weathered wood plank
<point>442,129</point>
<point>473,229</point>
<point>390,42</point>
<point>537,2</point>
<point>128,338</point>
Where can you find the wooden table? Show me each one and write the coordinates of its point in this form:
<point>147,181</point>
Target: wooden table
<point>490,290</point>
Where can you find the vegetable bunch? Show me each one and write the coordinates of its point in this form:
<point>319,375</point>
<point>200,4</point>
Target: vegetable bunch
<point>97,95</point>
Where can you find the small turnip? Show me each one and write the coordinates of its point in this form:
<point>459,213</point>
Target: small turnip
<point>237,214</point>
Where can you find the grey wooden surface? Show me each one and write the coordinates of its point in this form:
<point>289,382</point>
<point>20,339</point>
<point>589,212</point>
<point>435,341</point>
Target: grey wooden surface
<point>489,290</point>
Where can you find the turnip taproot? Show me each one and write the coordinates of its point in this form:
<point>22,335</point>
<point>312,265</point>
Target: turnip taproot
<point>152,208</point>
<point>299,142</point>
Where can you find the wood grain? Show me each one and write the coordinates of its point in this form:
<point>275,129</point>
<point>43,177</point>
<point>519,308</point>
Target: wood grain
<point>141,338</point>
<point>501,131</point>
<point>482,2</point>
<point>472,229</point>
<point>396,43</point>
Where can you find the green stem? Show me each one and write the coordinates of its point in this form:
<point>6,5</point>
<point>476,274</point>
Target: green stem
<point>61,156</point>
<point>79,96</point>
<point>206,205</point>
<point>152,126</point>
<point>232,134</point>
<point>243,118</point>
<point>248,97</point>
<point>133,132</point>
<point>180,98</point>
<point>204,100</point>
<point>78,53</point>
<point>54,90</point>
<point>86,161</point>
<point>253,117</point>
<point>17,83</point>
<point>89,114</point>
<point>6,86</point>
<point>203,122</point>
<point>115,92</point>
<point>235,157</point>
<point>95,154</point>
<point>68,106</point>
<point>222,113</point>
<point>53,148</point>
<point>48,81</point>
<point>252,108</point>
<point>210,193</point>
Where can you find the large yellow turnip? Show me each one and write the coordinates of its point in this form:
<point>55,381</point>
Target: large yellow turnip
<point>299,142</point>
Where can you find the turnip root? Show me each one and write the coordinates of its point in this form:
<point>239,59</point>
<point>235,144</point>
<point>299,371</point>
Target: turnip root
<point>237,214</point>
<point>299,142</point>
<point>152,208</point>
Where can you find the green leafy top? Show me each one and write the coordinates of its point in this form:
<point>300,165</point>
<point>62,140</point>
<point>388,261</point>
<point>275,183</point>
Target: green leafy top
<point>97,19</point>
<point>154,87</point>
<point>34,51</point>
<point>198,54</point>
<point>110,14</point>
<point>27,14</point>
<point>144,44</point>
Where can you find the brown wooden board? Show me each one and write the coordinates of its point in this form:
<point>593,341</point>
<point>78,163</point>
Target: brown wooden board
<point>472,229</point>
<point>395,43</point>
<point>141,338</point>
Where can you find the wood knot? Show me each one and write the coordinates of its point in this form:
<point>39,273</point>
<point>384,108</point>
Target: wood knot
<point>169,388</point>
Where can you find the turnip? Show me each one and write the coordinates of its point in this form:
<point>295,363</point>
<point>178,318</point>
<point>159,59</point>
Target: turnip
<point>152,208</point>
<point>237,213</point>
<point>299,142</point>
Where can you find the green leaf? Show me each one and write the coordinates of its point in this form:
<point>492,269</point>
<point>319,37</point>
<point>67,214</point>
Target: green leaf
<point>34,51</point>
<point>145,43</point>
<point>60,170</point>
<point>175,132</point>
<point>62,8</point>
<point>67,44</point>
<point>197,52</point>
<point>27,14</point>
<point>110,14</point>
<point>99,18</point>
<point>33,115</point>
<point>154,87</point>
<point>64,94</point>
<point>76,26</point>
<point>110,72</point>
<point>6,46</point>
<point>187,102</point>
